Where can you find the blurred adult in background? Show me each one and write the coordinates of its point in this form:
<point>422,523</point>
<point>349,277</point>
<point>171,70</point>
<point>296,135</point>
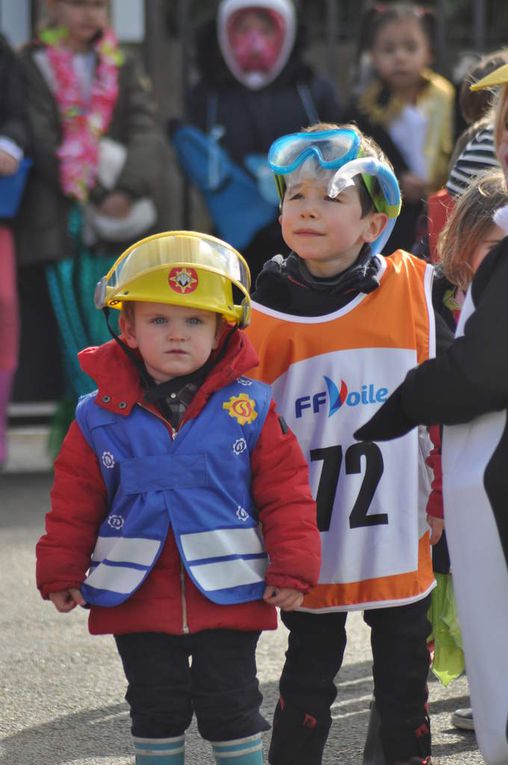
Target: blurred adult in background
<point>407,108</point>
<point>97,183</point>
<point>13,142</point>
<point>254,85</point>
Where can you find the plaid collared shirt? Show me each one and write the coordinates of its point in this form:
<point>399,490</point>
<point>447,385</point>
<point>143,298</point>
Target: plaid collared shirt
<point>176,404</point>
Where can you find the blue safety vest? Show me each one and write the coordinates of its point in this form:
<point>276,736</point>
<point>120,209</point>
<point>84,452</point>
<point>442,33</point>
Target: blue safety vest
<point>198,483</point>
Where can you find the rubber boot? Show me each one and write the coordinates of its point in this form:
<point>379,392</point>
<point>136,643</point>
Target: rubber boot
<point>298,737</point>
<point>240,751</point>
<point>160,751</point>
<point>373,753</point>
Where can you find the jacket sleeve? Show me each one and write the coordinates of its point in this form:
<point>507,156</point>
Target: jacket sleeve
<point>13,117</point>
<point>469,379</point>
<point>139,131</point>
<point>78,505</point>
<point>287,510</point>
<point>43,120</point>
<point>435,501</point>
<point>327,100</point>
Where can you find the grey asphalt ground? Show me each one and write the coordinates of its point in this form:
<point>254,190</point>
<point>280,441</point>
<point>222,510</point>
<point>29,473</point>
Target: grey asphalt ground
<point>61,690</point>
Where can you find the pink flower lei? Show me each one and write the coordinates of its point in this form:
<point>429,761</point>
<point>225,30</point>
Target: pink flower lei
<point>83,121</point>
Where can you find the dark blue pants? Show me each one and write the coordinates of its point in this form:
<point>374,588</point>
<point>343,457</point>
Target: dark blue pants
<point>400,669</point>
<point>211,673</point>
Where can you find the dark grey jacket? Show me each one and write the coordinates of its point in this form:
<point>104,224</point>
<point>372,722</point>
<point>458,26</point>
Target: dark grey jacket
<point>13,123</point>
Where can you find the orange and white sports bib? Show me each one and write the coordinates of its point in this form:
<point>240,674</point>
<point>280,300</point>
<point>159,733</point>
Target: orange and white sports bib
<point>329,374</point>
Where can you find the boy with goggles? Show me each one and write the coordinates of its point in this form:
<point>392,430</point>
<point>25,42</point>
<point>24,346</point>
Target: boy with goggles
<point>164,481</point>
<point>336,325</point>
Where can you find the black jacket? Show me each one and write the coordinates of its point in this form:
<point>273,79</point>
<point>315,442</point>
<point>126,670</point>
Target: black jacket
<point>253,119</point>
<point>13,118</point>
<point>286,285</point>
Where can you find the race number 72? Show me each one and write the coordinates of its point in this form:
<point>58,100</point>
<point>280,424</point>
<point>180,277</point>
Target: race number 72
<point>331,457</point>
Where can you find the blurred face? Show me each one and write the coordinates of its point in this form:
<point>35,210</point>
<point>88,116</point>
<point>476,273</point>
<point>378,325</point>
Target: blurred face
<point>83,19</point>
<point>172,340</point>
<point>255,40</point>
<point>502,132</point>
<point>327,233</point>
<point>400,52</point>
<point>492,237</point>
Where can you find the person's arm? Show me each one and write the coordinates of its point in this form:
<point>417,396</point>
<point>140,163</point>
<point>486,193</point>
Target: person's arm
<point>45,129</point>
<point>470,378</point>
<point>434,510</point>
<point>13,123</point>
<point>139,132</point>
<point>327,101</point>
<point>287,511</point>
<point>78,506</point>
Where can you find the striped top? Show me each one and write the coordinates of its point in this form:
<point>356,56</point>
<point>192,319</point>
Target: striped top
<point>477,156</point>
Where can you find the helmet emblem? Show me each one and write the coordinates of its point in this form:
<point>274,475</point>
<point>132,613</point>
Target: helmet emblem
<point>183,280</point>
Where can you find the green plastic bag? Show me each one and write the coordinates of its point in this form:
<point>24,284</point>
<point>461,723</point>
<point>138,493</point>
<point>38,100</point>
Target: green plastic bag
<point>448,662</point>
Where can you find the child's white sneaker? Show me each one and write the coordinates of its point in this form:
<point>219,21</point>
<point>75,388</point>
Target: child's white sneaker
<point>463,719</point>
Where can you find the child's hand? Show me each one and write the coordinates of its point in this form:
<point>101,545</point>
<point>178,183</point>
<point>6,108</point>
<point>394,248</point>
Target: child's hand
<point>8,165</point>
<point>436,529</point>
<point>66,600</point>
<point>285,598</point>
<point>413,188</point>
<point>116,205</point>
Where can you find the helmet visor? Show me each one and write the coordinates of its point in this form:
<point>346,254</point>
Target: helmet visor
<point>331,148</point>
<point>176,248</point>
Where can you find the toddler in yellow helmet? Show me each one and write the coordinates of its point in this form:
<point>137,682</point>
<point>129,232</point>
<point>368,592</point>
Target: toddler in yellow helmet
<point>181,512</point>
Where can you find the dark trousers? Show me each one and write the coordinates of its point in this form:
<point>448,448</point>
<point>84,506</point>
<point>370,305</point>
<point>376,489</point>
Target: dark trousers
<point>401,663</point>
<point>211,673</point>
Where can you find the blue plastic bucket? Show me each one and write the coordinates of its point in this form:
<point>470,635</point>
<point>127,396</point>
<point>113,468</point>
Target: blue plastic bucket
<point>11,189</point>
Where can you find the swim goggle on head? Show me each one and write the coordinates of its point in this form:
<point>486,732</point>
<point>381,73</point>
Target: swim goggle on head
<point>339,150</point>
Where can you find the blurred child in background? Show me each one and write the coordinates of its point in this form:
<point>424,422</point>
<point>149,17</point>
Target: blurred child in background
<point>254,85</point>
<point>96,183</point>
<point>407,108</point>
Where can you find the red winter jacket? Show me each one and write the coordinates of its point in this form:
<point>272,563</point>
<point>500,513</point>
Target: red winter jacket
<point>168,601</point>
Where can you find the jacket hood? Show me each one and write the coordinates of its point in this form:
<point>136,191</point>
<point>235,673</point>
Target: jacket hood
<point>215,74</point>
<point>118,379</point>
<point>255,56</point>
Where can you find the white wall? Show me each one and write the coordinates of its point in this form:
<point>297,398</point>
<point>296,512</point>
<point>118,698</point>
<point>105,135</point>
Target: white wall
<point>128,20</point>
<point>15,21</point>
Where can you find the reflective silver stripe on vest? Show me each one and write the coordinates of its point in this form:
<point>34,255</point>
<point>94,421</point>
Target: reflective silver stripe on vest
<point>133,550</point>
<point>220,543</point>
<point>229,573</point>
<point>115,578</point>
